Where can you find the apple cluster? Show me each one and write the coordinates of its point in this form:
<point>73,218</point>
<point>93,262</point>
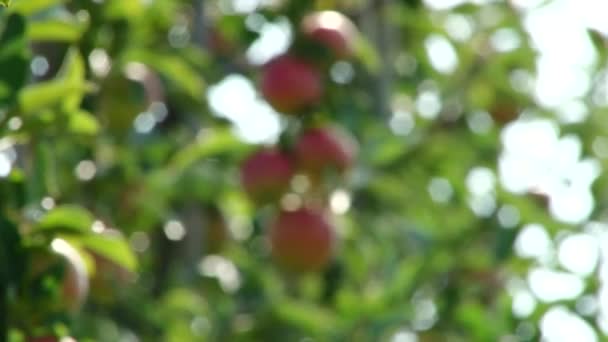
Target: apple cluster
<point>301,236</point>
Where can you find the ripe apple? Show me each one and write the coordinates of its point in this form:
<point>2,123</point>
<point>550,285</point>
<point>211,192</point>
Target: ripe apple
<point>333,30</point>
<point>321,148</point>
<point>266,175</point>
<point>63,260</point>
<point>291,84</point>
<point>302,240</point>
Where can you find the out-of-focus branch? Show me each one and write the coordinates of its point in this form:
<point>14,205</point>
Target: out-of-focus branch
<point>198,35</point>
<point>376,27</point>
<point>193,249</point>
<point>191,213</point>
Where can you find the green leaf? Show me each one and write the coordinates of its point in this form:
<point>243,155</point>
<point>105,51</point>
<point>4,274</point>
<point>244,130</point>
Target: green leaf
<point>13,37</point>
<point>182,299</point>
<point>14,61</point>
<point>306,316</point>
<point>43,180</point>
<point>67,89</point>
<point>504,244</point>
<point>118,9</point>
<point>11,252</point>
<point>55,30</point>
<point>67,218</point>
<point>5,3</point>
<point>366,52</point>
<point>83,122</point>
<point>386,151</point>
<point>46,94</point>
<point>210,143</point>
<point>75,74</point>
<point>112,247</point>
<point>600,42</point>
<point>174,68</point>
<point>33,6</point>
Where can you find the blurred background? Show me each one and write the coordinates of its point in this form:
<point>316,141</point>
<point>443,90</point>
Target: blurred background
<point>329,170</point>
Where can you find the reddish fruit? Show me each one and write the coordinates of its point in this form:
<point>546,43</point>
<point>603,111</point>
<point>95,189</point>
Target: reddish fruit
<point>322,148</point>
<point>290,84</point>
<point>302,240</point>
<point>266,175</point>
<point>332,29</point>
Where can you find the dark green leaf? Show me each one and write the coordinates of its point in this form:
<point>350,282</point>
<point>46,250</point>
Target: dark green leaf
<point>11,252</point>
<point>14,62</point>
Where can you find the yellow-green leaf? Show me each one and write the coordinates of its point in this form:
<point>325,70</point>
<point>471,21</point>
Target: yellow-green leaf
<point>67,88</point>
<point>176,69</point>
<point>82,122</point>
<point>67,218</point>
<point>55,30</point>
<point>113,247</point>
<point>32,6</point>
<point>210,143</point>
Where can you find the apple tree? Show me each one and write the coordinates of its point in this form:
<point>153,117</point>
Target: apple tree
<point>336,170</point>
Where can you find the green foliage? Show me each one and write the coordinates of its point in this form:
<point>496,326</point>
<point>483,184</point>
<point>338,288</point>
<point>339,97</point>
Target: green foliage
<point>13,58</point>
<point>68,218</point>
<point>108,142</point>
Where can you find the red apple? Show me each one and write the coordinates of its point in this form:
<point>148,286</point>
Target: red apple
<point>291,84</point>
<point>321,148</point>
<point>302,240</point>
<point>333,30</point>
<point>266,175</point>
